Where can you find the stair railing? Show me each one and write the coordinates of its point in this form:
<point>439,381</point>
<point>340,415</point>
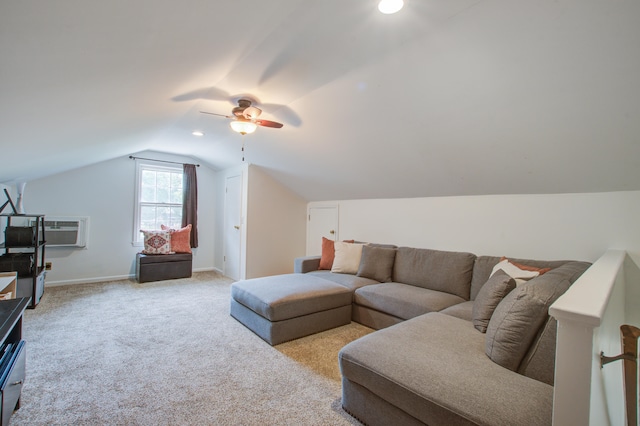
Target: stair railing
<point>629,357</point>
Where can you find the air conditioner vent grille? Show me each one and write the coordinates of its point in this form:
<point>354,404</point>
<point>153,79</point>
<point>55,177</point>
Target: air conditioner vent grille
<point>67,231</point>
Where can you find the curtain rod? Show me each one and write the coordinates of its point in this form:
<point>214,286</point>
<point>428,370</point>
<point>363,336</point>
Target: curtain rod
<point>161,161</point>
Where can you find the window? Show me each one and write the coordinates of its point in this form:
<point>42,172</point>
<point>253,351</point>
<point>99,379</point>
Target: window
<point>158,198</point>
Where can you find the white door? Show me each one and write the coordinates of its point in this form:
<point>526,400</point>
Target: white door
<point>233,227</point>
<point>322,222</point>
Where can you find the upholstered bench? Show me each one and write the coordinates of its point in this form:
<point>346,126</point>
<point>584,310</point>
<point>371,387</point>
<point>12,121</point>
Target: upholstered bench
<point>158,267</point>
<point>286,307</point>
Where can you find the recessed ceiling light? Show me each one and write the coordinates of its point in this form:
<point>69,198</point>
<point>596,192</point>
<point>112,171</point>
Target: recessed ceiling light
<point>390,6</point>
<point>197,133</point>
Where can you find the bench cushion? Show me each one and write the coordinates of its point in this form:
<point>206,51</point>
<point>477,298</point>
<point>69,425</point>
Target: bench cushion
<point>161,258</point>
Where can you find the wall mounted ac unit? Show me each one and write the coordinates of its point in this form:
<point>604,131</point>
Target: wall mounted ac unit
<point>66,231</point>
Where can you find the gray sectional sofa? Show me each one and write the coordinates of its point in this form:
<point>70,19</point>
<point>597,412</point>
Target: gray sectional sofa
<point>455,344</point>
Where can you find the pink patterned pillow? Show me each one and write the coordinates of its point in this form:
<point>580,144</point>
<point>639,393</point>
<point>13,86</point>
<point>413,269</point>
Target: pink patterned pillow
<point>157,242</point>
<point>180,238</point>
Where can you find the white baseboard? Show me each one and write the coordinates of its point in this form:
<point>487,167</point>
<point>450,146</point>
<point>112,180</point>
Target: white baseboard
<point>89,280</point>
<point>112,278</point>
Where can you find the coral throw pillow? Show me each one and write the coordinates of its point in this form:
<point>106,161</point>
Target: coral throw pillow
<point>180,238</point>
<point>157,242</point>
<point>328,253</point>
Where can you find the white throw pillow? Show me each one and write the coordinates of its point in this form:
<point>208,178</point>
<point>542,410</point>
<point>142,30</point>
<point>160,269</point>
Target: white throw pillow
<point>520,275</point>
<point>347,257</point>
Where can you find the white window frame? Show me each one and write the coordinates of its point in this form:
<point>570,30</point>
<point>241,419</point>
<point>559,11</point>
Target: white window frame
<point>137,240</point>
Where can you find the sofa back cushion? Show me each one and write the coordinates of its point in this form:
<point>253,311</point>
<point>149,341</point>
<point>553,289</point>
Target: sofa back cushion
<point>516,332</point>
<point>484,265</point>
<point>445,271</point>
<point>377,263</point>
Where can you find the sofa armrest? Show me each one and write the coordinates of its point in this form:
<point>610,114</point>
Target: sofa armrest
<point>302,265</point>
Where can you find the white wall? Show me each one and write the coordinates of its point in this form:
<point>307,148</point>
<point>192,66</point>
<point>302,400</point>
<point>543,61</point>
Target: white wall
<point>274,219</point>
<point>105,192</point>
<point>557,226</point>
<point>276,226</point>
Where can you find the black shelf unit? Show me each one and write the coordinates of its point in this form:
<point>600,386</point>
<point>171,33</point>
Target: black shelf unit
<point>31,286</point>
<point>12,356</point>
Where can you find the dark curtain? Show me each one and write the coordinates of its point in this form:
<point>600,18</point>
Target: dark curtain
<point>190,201</point>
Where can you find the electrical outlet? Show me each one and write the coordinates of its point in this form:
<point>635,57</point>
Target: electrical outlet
<point>47,266</point>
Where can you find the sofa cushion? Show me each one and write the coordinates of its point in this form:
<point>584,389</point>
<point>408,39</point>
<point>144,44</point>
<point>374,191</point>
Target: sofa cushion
<point>349,281</point>
<point>519,317</point>
<point>376,263</point>
<point>445,271</point>
<point>462,310</point>
<point>449,379</point>
<point>403,300</point>
<point>539,362</point>
<point>490,295</point>
<point>282,297</point>
<point>347,257</point>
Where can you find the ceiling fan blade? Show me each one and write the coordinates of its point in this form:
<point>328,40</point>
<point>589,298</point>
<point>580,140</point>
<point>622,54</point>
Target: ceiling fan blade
<point>219,115</point>
<point>284,113</point>
<point>267,123</point>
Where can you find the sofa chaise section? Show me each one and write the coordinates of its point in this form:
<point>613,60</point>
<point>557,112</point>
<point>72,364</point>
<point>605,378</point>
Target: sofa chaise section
<point>433,370</point>
<point>449,373</point>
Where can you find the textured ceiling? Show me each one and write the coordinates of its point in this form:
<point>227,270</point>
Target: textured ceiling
<point>455,97</point>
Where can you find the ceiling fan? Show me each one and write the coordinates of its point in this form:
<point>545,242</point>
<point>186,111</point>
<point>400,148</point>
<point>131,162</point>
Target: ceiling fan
<point>245,117</point>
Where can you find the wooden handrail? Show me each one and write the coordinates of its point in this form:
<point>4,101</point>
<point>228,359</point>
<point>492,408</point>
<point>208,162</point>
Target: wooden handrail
<point>629,336</point>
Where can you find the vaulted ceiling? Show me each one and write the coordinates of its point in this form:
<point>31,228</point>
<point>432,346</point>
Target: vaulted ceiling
<point>446,97</point>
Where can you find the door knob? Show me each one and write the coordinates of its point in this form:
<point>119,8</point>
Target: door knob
<point>332,232</point>
<point>236,226</point>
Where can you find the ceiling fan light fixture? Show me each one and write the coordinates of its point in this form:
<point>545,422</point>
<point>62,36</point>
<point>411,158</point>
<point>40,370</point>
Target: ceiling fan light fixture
<point>243,126</point>
<point>390,6</point>
<point>252,112</point>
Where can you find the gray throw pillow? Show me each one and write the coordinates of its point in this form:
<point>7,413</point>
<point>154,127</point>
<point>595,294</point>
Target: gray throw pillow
<point>490,295</point>
<point>377,263</point>
<point>518,318</point>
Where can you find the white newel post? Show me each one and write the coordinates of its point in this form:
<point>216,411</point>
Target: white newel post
<point>589,317</point>
<point>574,357</point>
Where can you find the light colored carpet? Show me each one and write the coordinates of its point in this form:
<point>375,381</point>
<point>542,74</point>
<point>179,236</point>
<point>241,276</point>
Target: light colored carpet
<point>169,353</point>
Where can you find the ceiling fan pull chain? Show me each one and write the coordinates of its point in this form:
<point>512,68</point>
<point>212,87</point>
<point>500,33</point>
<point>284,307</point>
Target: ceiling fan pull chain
<point>243,150</point>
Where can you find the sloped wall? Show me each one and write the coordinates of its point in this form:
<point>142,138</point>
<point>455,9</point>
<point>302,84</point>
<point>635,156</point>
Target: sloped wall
<point>276,226</point>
